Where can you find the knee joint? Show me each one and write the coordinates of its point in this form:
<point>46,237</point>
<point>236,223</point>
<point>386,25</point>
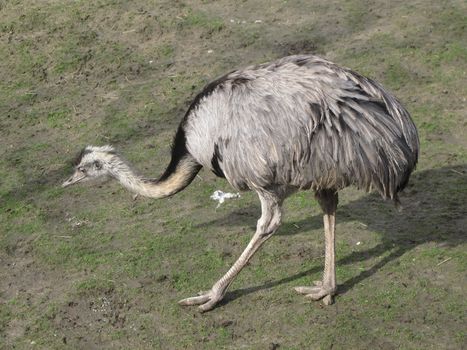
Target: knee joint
<point>266,234</point>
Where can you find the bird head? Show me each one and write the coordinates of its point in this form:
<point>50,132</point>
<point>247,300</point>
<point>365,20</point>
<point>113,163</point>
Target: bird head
<point>91,163</point>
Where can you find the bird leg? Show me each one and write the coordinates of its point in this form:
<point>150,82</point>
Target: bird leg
<point>327,288</point>
<point>266,226</point>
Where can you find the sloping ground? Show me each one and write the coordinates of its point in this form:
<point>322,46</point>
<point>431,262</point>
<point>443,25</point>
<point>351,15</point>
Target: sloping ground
<point>91,268</point>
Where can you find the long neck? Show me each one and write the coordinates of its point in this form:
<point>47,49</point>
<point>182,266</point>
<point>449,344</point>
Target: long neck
<point>171,182</point>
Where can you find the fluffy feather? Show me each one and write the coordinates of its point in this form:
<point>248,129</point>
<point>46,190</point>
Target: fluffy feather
<point>303,122</point>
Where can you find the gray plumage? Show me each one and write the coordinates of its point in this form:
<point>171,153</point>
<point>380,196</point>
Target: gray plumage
<point>303,122</point>
<point>297,123</point>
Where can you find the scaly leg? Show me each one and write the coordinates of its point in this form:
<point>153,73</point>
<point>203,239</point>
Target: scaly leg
<point>266,226</point>
<point>327,288</point>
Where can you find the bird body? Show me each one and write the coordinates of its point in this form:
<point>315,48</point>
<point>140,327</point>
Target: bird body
<point>300,122</point>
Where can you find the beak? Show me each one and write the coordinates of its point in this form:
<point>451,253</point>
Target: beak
<point>76,177</point>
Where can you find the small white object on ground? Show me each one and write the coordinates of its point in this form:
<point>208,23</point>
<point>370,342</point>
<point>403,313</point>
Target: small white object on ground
<point>358,243</point>
<point>222,196</point>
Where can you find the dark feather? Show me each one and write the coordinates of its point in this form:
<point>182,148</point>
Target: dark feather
<point>79,156</point>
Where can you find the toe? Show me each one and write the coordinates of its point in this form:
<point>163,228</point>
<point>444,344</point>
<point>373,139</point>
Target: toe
<point>208,306</point>
<point>328,299</point>
<point>194,300</point>
<point>317,295</point>
<point>307,290</point>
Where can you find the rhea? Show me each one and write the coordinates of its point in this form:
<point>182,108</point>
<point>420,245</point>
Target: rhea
<point>297,123</point>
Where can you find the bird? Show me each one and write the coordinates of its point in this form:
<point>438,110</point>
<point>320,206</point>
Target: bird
<point>298,123</point>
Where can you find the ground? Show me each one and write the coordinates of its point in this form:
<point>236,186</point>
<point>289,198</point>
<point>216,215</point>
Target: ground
<point>89,267</point>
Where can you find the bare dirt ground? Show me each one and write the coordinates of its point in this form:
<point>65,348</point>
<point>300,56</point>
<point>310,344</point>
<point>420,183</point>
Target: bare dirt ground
<point>91,268</point>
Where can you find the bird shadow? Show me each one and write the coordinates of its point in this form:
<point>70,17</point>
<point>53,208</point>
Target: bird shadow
<point>433,211</point>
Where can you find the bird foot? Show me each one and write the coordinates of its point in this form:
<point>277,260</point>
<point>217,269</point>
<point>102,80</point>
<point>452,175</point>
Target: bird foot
<point>317,292</point>
<point>206,300</point>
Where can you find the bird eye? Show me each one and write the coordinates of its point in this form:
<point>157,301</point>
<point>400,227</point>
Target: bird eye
<point>82,169</point>
<point>98,165</point>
